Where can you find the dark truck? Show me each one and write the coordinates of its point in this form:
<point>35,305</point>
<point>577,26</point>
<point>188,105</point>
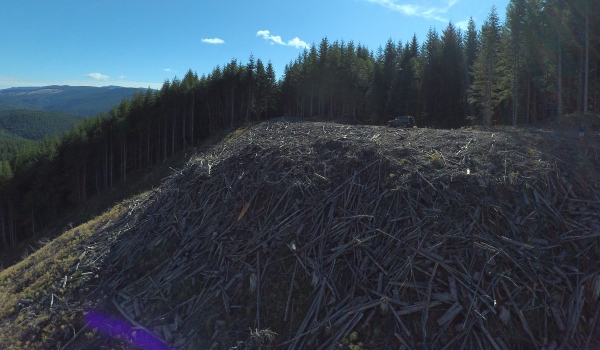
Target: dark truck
<point>404,121</point>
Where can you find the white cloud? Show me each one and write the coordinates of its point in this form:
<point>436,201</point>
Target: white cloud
<point>98,76</point>
<point>297,43</point>
<point>429,12</point>
<point>168,70</point>
<point>213,41</point>
<point>463,25</point>
<point>122,77</point>
<point>276,39</point>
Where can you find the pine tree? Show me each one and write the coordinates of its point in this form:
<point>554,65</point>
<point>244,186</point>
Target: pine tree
<point>472,47</point>
<point>515,22</point>
<point>431,112</point>
<point>452,79</point>
<point>271,91</point>
<point>483,91</point>
<point>189,85</point>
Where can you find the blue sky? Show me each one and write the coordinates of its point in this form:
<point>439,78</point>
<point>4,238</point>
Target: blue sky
<point>140,43</point>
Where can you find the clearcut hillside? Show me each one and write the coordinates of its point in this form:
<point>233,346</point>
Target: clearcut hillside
<point>306,235</point>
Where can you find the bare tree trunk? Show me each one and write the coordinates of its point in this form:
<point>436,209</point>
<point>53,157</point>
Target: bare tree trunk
<point>165,133</point>
<point>112,160</point>
<point>331,107</point>
<point>32,223</point>
<point>527,117</point>
<point>232,101</point>
<point>322,104</point>
<point>4,238</point>
<point>534,113</point>
<point>11,225</point>
<point>183,130</point>
<point>488,108</point>
<point>106,164</point>
<point>84,182</point>
<point>173,133</point>
<point>78,184</point>
<point>559,107</point>
<point>148,155</point>
<point>158,143</point>
<point>515,87</point>
<point>140,152</point>
<point>98,175</point>
<point>312,93</point>
<point>124,155</point>
<point>580,82</point>
<point>192,121</point>
<point>587,59</point>
<point>595,101</point>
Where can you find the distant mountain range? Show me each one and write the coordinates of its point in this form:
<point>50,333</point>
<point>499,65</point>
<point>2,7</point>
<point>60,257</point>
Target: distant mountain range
<point>76,100</point>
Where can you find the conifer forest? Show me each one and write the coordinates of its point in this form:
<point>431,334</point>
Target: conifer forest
<point>541,64</point>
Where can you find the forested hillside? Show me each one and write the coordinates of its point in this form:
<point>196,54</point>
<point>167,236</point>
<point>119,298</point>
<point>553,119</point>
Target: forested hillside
<point>540,65</point>
<point>11,145</point>
<point>34,124</point>
<point>10,103</point>
<point>77,100</point>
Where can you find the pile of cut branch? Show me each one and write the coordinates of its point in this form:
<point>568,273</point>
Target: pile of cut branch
<point>406,238</point>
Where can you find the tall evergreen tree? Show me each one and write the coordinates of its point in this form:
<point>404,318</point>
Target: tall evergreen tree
<point>431,112</point>
<point>472,46</point>
<point>271,91</point>
<point>189,86</point>
<point>515,22</point>
<point>485,69</point>
<point>384,75</point>
<point>452,79</point>
<point>554,16</point>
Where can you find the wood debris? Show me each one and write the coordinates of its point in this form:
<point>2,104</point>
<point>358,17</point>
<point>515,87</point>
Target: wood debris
<point>316,231</point>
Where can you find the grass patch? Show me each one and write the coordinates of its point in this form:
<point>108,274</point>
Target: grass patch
<point>34,292</point>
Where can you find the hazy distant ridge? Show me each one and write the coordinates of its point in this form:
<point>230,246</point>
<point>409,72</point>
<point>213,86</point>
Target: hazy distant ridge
<point>77,100</point>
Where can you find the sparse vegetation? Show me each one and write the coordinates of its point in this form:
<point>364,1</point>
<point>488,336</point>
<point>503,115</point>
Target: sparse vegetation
<point>436,158</point>
<point>39,306</point>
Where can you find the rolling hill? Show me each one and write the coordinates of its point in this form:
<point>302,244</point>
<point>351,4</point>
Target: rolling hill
<point>77,100</point>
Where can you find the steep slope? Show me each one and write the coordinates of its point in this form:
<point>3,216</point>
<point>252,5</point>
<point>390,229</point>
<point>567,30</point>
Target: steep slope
<point>330,234</point>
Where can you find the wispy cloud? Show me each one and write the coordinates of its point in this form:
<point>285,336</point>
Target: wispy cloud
<point>98,76</point>
<point>168,70</point>
<point>213,41</point>
<point>463,25</point>
<point>276,39</point>
<point>435,12</point>
<point>122,77</point>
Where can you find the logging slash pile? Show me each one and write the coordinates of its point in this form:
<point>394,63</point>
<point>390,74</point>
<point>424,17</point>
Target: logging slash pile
<point>307,235</point>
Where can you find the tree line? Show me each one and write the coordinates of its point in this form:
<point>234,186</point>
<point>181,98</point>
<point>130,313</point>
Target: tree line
<point>541,64</point>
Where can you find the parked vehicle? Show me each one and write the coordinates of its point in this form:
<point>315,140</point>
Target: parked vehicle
<point>404,122</point>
